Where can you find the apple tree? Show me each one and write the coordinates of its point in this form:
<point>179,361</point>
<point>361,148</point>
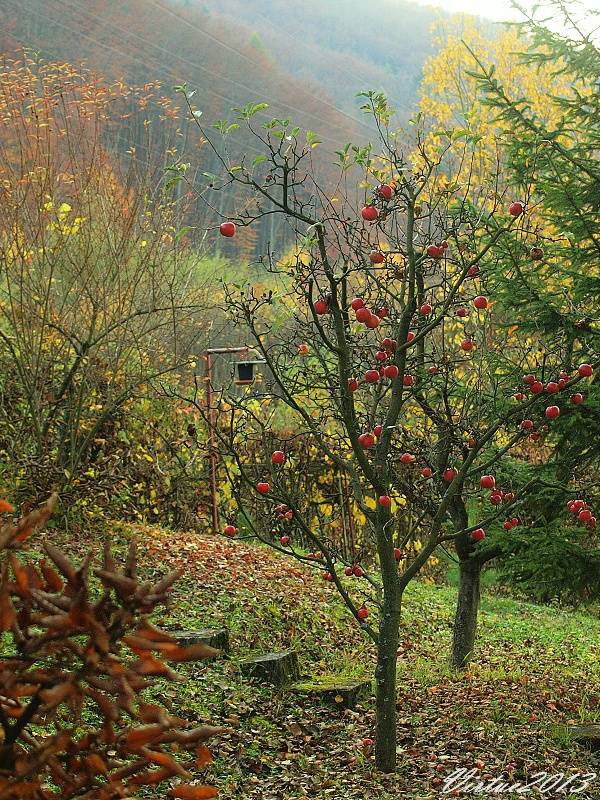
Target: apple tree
<point>380,340</point>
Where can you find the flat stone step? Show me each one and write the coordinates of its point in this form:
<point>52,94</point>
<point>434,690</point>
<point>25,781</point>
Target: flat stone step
<point>213,637</point>
<point>344,694</point>
<point>588,735</point>
<point>276,668</point>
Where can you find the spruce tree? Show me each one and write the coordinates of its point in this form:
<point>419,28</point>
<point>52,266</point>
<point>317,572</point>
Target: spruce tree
<point>548,284</point>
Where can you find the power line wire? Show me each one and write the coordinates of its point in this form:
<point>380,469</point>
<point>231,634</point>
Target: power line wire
<point>299,41</point>
<point>252,61</point>
<point>116,50</point>
<point>159,66</point>
<point>213,75</point>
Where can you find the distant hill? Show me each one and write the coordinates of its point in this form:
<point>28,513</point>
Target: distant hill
<point>306,59</point>
<point>344,47</point>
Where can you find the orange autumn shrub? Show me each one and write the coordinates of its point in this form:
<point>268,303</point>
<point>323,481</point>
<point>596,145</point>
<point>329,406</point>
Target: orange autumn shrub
<point>71,655</point>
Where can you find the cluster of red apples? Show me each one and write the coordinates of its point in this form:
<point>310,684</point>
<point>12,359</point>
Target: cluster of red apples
<point>384,193</point>
<point>387,348</point>
<point>537,387</point>
<point>496,497</point>
<point>371,319</point>
<point>283,514</point>
<point>355,570</point>
<point>368,440</point>
<point>582,513</point>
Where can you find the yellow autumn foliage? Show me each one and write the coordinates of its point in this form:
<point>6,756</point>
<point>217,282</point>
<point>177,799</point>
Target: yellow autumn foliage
<point>467,131</point>
<point>449,98</point>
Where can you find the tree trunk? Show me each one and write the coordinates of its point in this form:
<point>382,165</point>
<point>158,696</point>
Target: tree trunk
<point>465,622</point>
<point>7,757</point>
<point>385,676</point>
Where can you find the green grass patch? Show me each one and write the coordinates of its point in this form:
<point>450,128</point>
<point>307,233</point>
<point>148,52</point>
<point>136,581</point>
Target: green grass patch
<point>536,670</point>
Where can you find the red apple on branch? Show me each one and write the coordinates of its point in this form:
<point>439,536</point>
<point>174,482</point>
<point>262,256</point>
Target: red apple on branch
<point>385,191</point>
<point>366,440</point>
<point>227,229</point>
<point>369,213</point>
<point>433,251</point>
<point>515,209</point>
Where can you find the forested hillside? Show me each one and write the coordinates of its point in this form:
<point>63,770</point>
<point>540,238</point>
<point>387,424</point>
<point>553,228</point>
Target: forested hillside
<point>306,62</point>
<point>344,47</point>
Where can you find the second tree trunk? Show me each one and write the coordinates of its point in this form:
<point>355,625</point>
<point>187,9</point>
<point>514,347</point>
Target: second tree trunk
<point>465,623</point>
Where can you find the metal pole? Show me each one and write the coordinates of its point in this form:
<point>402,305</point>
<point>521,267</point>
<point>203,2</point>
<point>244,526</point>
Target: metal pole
<point>210,419</point>
<point>211,441</point>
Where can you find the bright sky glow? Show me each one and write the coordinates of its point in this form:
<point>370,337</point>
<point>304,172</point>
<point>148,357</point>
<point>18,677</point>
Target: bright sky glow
<point>501,9</point>
<point>493,9</point>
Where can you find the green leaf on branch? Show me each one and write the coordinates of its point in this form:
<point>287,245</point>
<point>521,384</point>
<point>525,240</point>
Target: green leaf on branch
<point>312,140</point>
<point>250,109</point>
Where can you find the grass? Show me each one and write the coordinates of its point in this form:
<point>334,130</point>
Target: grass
<point>333,681</point>
<point>536,670</point>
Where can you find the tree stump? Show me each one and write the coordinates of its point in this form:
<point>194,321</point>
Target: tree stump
<point>587,735</point>
<point>275,668</point>
<point>213,637</point>
<point>341,693</point>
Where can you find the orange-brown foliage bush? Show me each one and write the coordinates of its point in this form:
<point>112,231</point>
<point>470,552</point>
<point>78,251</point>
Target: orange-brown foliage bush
<point>71,655</point>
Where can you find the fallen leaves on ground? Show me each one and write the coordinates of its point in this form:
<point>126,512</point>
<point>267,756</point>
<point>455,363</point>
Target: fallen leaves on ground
<point>502,718</point>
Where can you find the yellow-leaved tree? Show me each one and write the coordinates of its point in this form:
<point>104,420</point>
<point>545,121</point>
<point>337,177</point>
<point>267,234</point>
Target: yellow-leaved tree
<point>450,98</point>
